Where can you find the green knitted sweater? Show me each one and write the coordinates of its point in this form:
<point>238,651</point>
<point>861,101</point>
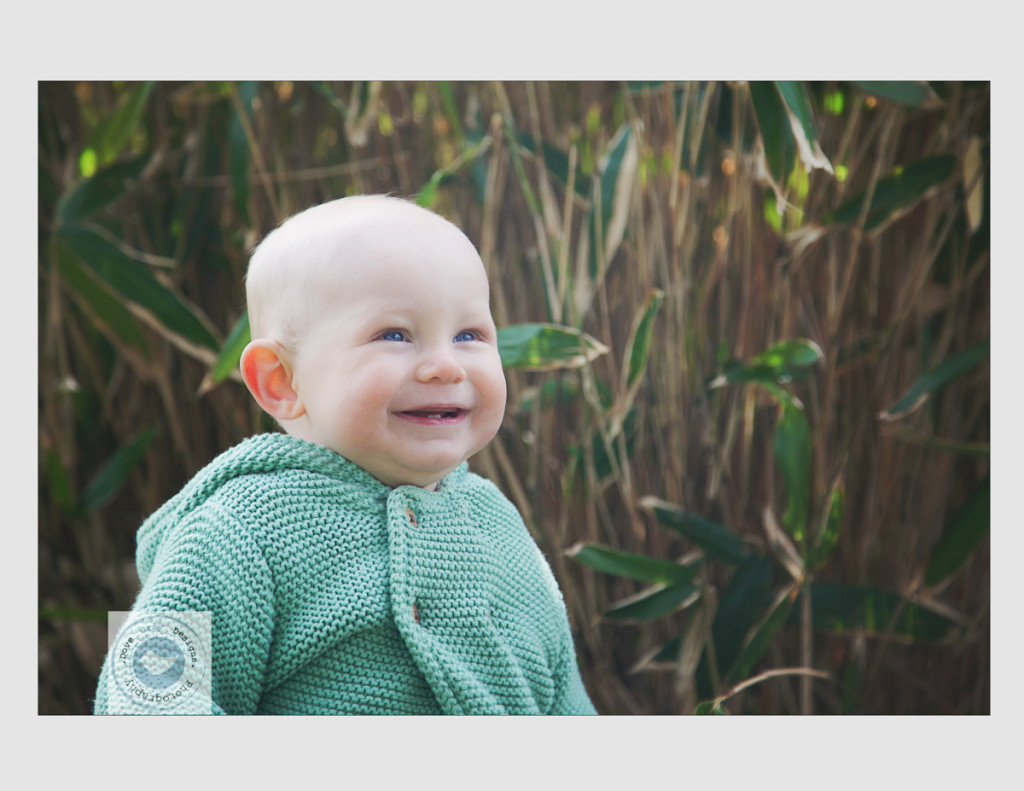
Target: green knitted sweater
<point>332,593</point>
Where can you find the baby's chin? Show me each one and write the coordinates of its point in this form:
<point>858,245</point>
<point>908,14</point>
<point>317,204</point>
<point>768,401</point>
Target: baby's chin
<point>430,482</point>
<point>424,470</point>
<point>395,476</point>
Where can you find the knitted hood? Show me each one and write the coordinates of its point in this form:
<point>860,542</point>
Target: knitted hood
<point>263,453</point>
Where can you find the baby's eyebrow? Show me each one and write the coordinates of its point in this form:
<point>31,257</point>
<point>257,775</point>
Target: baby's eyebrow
<point>389,317</point>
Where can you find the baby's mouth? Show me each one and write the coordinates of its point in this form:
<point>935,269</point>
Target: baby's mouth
<point>436,415</point>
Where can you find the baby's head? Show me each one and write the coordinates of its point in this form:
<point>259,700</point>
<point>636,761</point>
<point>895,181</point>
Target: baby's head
<point>372,336</point>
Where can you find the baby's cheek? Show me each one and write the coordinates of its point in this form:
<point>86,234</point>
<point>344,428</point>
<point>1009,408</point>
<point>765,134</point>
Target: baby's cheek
<point>373,397</point>
<point>363,414</point>
<point>493,389</point>
<point>492,393</point>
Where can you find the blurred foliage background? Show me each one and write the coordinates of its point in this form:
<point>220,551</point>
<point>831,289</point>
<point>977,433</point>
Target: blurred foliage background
<point>745,328</point>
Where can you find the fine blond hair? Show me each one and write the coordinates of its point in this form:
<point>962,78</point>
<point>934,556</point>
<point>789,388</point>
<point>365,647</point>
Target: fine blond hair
<point>283,270</point>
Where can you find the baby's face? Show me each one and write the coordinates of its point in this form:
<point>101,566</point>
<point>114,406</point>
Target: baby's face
<point>398,367</point>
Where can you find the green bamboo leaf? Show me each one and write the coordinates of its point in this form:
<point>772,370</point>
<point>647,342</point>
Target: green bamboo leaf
<point>744,598</point>
<point>640,347</point>
<point>111,476</point>
<point>618,167</point>
<point>553,392</point>
<point>792,450</point>
<point>231,351</point>
<point>723,123</point>
<point>614,165</point>
<point>687,647</point>
<point>896,193</point>
<point>961,536</point>
<point>709,707</point>
<point>545,347</point>
<point>778,363</point>
<point>470,155</point>
<point>786,356</point>
<point>776,131</point>
<point>427,195</point>
<point>91,194</point>
<point>797,101</point>
<point>556,162</point>
<point>132,280</point>
<point>781,363</point>
<point>847,608</point>
<point>715,540</point>
<point>648,606</point>
<point>761,637</point>
<point>668,653</point>
<point>110,137</point>
<point>794,94</point>
<point>781,395</point>
<point>637,567</point>
<point>106,311</point>
<point>913,94</point>
<point>935,379</point>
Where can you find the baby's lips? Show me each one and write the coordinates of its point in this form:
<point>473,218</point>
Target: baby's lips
<point>435,409</point>
<point>438,414</point>
<point>434,415</point>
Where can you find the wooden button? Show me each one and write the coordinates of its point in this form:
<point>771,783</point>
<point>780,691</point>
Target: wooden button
<point>411,516</point>
<point>416,613</point>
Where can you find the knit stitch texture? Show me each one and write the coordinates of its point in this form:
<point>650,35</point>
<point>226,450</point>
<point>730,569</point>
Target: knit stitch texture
<point>332,593</point>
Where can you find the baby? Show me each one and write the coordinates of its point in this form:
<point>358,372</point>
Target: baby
<point>353,564</point>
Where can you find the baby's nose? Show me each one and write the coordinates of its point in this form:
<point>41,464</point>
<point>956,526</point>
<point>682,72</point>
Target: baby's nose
<point>440,367</point>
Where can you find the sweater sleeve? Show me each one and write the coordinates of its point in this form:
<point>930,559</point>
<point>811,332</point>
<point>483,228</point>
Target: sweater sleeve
<point>208,562</point>
<point>571,696</point>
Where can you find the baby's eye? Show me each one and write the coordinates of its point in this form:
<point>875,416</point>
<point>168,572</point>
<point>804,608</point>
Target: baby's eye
<point>467,335</point>
<point>393,335</point>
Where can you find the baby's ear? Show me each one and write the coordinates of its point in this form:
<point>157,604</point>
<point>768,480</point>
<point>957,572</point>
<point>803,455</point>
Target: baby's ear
<point>268,375</point>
